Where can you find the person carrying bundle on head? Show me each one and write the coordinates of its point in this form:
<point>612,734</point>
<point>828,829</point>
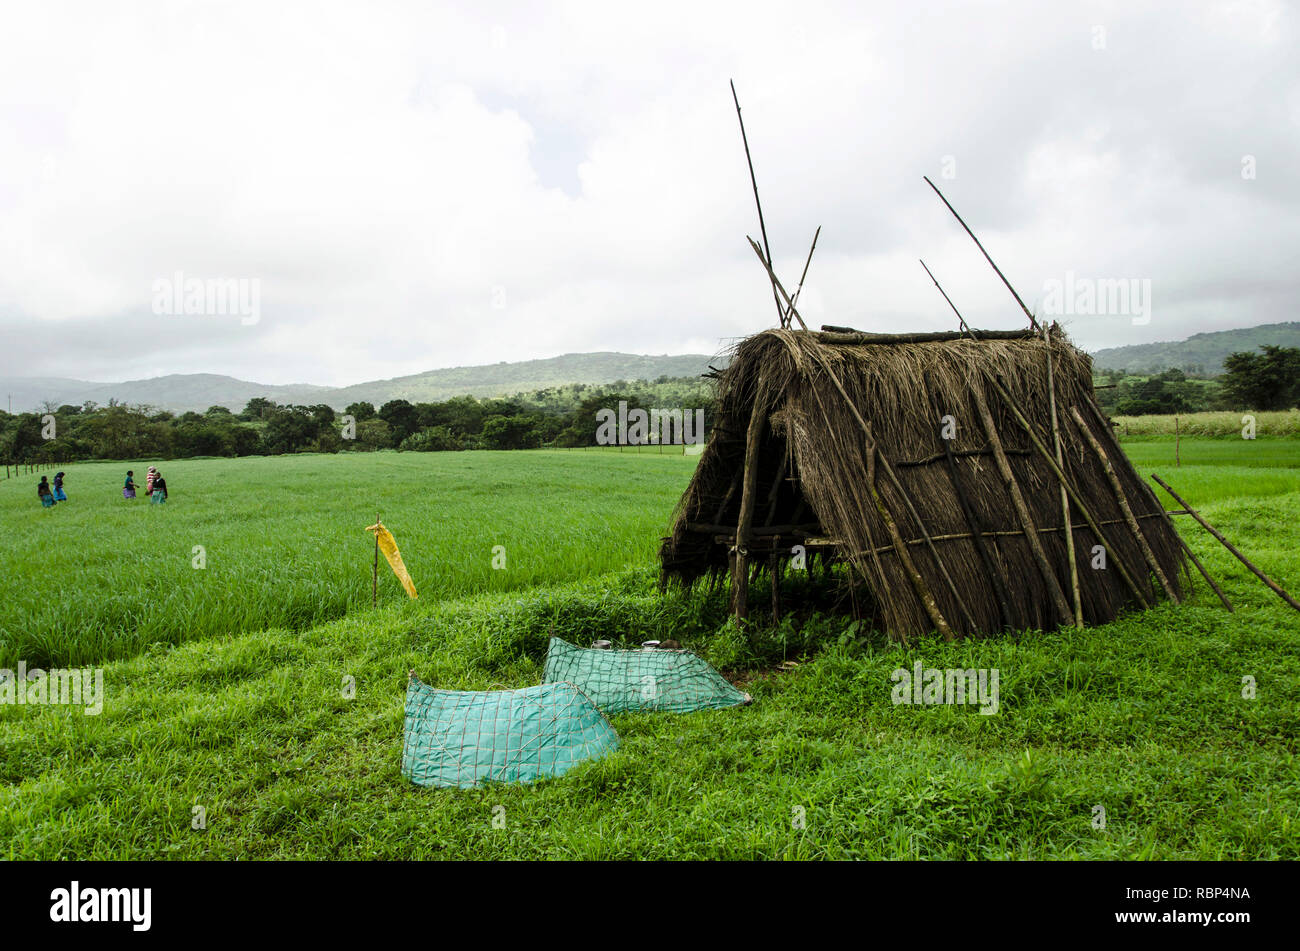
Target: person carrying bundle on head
<point>44,493</point>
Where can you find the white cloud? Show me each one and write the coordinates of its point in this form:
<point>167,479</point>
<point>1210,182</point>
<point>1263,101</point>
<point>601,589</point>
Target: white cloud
<point>422,185</point>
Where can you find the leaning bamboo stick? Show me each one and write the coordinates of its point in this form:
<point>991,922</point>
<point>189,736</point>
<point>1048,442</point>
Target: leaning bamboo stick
<point>799,290</point>
<point>762,226</point>
<point>909,566</point>
<point>1065,499</point>
<point>1277,589</point>
<point>927,598</point>
<point>776,282</point>
<point>1022,510</point>
<point>925,534</point>
<point>1032,322</point>
<point>874,552</point>
<point>1125,509</point>
<point>1201,568</point>
<point>1074,496</point>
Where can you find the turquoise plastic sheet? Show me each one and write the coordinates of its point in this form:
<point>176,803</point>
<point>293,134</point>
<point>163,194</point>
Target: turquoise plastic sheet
<point>618,681</point>
<point>464,738</point>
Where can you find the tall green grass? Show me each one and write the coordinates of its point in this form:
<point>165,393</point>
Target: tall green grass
<point>283,539</point>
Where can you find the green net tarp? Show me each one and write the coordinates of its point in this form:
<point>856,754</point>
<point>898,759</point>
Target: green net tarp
<point>462,738</point>
<point>621,680</point>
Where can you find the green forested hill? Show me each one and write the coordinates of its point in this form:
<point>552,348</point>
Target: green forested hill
<point>1200,353</point>
<point>197,391</point>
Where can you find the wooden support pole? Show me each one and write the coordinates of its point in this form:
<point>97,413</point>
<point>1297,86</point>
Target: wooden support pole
<point>1082,506</point>
<point>748,494</point>
<point>1125,509</point>
<point>1273,585</point>
<point>774,575</point>
<point>1022,510</point>
<point>1065,499</point>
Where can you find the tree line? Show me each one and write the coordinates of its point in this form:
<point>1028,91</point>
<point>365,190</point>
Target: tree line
<point>561,416</point>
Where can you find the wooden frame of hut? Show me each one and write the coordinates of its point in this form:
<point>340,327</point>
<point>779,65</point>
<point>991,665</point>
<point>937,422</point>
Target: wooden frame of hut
<point>940,467</point>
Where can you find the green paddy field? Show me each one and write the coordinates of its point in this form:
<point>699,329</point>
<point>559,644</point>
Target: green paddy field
<point>224,700</point>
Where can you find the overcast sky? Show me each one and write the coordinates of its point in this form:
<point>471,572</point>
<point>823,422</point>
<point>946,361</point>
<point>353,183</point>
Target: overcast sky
<point>429,185</point>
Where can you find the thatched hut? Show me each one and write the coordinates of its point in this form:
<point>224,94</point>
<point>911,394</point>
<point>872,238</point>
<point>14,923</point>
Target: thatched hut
<point>938,467</point>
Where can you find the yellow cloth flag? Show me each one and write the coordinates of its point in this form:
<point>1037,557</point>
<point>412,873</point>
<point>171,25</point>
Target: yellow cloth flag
<point>388,545</point>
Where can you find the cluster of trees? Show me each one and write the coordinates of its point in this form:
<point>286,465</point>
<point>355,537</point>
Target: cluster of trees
<point>561,416</point>
<point>1267,380</point>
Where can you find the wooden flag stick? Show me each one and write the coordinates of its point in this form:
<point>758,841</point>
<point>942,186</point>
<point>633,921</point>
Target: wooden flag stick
<point>1032,322</point>
<point>1277,589</point>
<point>762,227</point>
<point>374,576</point>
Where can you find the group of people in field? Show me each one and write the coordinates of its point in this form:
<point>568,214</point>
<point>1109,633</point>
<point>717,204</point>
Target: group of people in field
<point>155,488</point>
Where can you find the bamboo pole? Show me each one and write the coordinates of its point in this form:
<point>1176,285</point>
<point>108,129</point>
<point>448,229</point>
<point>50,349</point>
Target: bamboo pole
<point>1204,574</point>
<point>909,566</point>
<point>831,334</point>
<point>862,520</point>
<point>1032,322</point>
<point>925,534</point>
<point>961,321</point>
<point>1022,510</point>
<point>1124,507</point>
<point>1074,496</point>
<point>762,226</point>
<point>918,583</point>
<point>1276,588</point>
<point>775,281</point>
<point>748,492</point>
<point>799,290</point>
<point>1065,499</point>
<point>1104,423</point>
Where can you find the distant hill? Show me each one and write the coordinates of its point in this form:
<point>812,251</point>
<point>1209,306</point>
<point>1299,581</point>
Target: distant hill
<point>1200,352</point>
<point>197,391</point>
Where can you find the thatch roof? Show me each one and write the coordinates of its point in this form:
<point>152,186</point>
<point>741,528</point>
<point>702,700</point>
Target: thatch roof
<point>818,484</point>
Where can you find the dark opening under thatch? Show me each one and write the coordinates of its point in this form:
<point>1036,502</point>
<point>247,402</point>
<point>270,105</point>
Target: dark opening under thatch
<point>850,440</point>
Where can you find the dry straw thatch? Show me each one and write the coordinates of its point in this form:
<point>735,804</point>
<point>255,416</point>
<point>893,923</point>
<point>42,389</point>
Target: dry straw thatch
<point>850,462</point>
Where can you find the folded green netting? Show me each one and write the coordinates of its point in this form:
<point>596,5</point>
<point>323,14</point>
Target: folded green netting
<point>620,680</point>
<point>462,738</point>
